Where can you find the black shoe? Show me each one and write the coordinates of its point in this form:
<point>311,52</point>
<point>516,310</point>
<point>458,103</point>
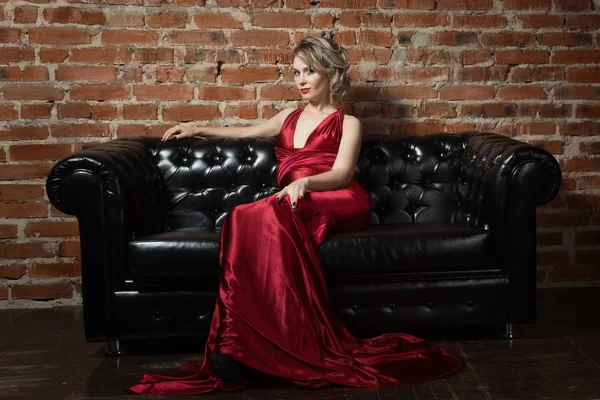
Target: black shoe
<point>225,367</point>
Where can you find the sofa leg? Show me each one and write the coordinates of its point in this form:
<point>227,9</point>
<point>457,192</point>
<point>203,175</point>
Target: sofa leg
<point>113,349</point>
<point>511,332</point>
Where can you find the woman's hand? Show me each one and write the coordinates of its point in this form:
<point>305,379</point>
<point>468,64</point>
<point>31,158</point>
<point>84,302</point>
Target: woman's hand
<point>295,190</point>
<point>180,132</point>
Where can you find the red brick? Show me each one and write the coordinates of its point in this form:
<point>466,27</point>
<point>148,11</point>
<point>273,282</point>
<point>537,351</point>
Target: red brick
<point>197,37</point>
<point>589,147</point>
<point>249,74</point>
<point>553,257</point>
<point>69,248</point>
<point>577,93</point>
<point>587,21</point>
<point>456,38</point>
<point>10,73</point>
<point>298,4</point>
<point>565,39</point>
<point>376,38</point>
<point>24,132</point>
<point>139,111</point>
<point>55,270</point>
<point>80,130</point>
<point>33,92</point>
<point>36,111</point>
<point>35,73</point>
<point>35,152</point>
<point>242,111</point>
<point>163,92</point>
<point>536,21</point>
<point>408,4</point>
<point>532,74</point>
<point>580,128</point>
<point>366,110</point>
<point>364,93</point>
<point>23,209</point>
<point>376,20</point>
<point>586,273</point>
<point>259,38</point>
<point>507,39</point>
<point>573,5</point>
<point>356,4</point>
<point>24,171</point>
<point>279,92</point>
<point>535,128</point>
<point>467,93</point>
<point>52,228</point>
<point>407,92</point>
<point>588,182</point>
<point>588,257</point>
<point>423,19</point>
<point>25,15</point>
<point>584,201</point>
<point>130,130</point>
<point>3,292</point>
<point>16,54</point>
<point>227,93</point>
<point>464,4</point>
<point>488,110</point>
<point>6,232</point>
<point>191,3</point>
<point>74,15</point>
<point>518,92</point>
<point>571,218</point>
<point>74,110</point>
<point>129,37</point>
<point>526,4</point>
<point>158,55</point>
<point>281,20</point>
<point>21,192</point>
<point>102,55</point>
<point>344,38</point>
<point>53,56</point>
<point>582,164</point>
<point>576,56</point>
<point>481,74</point>
<point>323,20</point>
<point>551,146</point>
<point>24,250</point>
<point>191,113</point>
<point>86,73</point>
<point>232,3</point>
<point>587,111</point>
<point>43,291</point>
<point>176,19</point>
<point>59,36</point>
<point>422,74</point>
<point>216,20</point>
<point>10,35</point>
<point>476,56</point>
<point>555,110</point>
<point>583,74</point>
<point>436,109</point>
<point>13,271</point>
<point>417,128</point>
<point>8,112</point>
<point>123,18</point>
<point>478,21</point>
<point>349,19</point>
<point>100,92</point>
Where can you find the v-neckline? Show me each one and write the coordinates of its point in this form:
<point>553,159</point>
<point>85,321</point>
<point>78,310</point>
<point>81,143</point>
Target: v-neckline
<point>311,132</point>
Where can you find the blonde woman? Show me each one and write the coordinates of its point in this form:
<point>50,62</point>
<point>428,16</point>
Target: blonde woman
<point>272,313</point>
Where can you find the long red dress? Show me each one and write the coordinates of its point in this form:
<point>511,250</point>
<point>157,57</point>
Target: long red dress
<point>273,313</point>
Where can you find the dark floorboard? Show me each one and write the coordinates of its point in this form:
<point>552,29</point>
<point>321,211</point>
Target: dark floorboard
<point>44,355</point>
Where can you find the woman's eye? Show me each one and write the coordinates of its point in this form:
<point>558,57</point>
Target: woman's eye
<point>310,71</point>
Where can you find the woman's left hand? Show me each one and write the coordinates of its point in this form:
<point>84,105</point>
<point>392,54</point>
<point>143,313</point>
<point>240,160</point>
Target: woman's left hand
<point>295,190</point>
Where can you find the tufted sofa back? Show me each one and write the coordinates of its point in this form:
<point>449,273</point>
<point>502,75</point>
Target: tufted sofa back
<point>411,179</point>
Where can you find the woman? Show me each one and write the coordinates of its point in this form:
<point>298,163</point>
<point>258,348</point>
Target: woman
<point>272,313</point>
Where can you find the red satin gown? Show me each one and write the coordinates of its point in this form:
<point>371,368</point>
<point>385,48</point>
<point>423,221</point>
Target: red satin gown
<point>273,313</point>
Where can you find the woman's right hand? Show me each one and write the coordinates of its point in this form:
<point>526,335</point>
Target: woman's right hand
<point>180,132</point>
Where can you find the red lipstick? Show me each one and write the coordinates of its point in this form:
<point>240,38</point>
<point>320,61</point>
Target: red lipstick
<point>304,91</point>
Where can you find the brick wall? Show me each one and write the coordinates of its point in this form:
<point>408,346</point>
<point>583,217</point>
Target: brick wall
<point>79,71</point>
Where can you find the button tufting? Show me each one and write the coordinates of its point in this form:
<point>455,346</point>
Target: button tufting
<point>354,307</point>
<point>429,304</point>
<point>392,306</point>
<point>469,303</point>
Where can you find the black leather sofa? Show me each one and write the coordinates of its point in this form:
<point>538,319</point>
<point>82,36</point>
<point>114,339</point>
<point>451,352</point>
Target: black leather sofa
<point>452,240</point>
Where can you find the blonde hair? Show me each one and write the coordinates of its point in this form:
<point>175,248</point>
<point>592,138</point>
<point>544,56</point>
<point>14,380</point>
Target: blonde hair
<point>327,57</point>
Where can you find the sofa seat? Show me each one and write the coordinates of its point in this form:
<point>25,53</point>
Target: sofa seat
<point>383,249</point>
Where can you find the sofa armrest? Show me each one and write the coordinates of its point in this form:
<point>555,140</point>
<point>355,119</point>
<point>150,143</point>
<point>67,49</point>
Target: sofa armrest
<point>115,191</point>
<point>504,180</point>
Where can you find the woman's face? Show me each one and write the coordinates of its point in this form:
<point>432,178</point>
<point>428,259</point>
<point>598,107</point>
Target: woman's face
<point>313,85</point>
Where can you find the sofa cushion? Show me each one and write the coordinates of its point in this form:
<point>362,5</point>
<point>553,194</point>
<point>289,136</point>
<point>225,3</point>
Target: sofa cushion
<point>181,254</point>
<point>388,248</point>
<point>410,248</point>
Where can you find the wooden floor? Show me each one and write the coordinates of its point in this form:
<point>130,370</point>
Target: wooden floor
<point>43,355</point>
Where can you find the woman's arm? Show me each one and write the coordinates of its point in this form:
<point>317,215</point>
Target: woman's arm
<point>341,172</point>
<point>268,128</point>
